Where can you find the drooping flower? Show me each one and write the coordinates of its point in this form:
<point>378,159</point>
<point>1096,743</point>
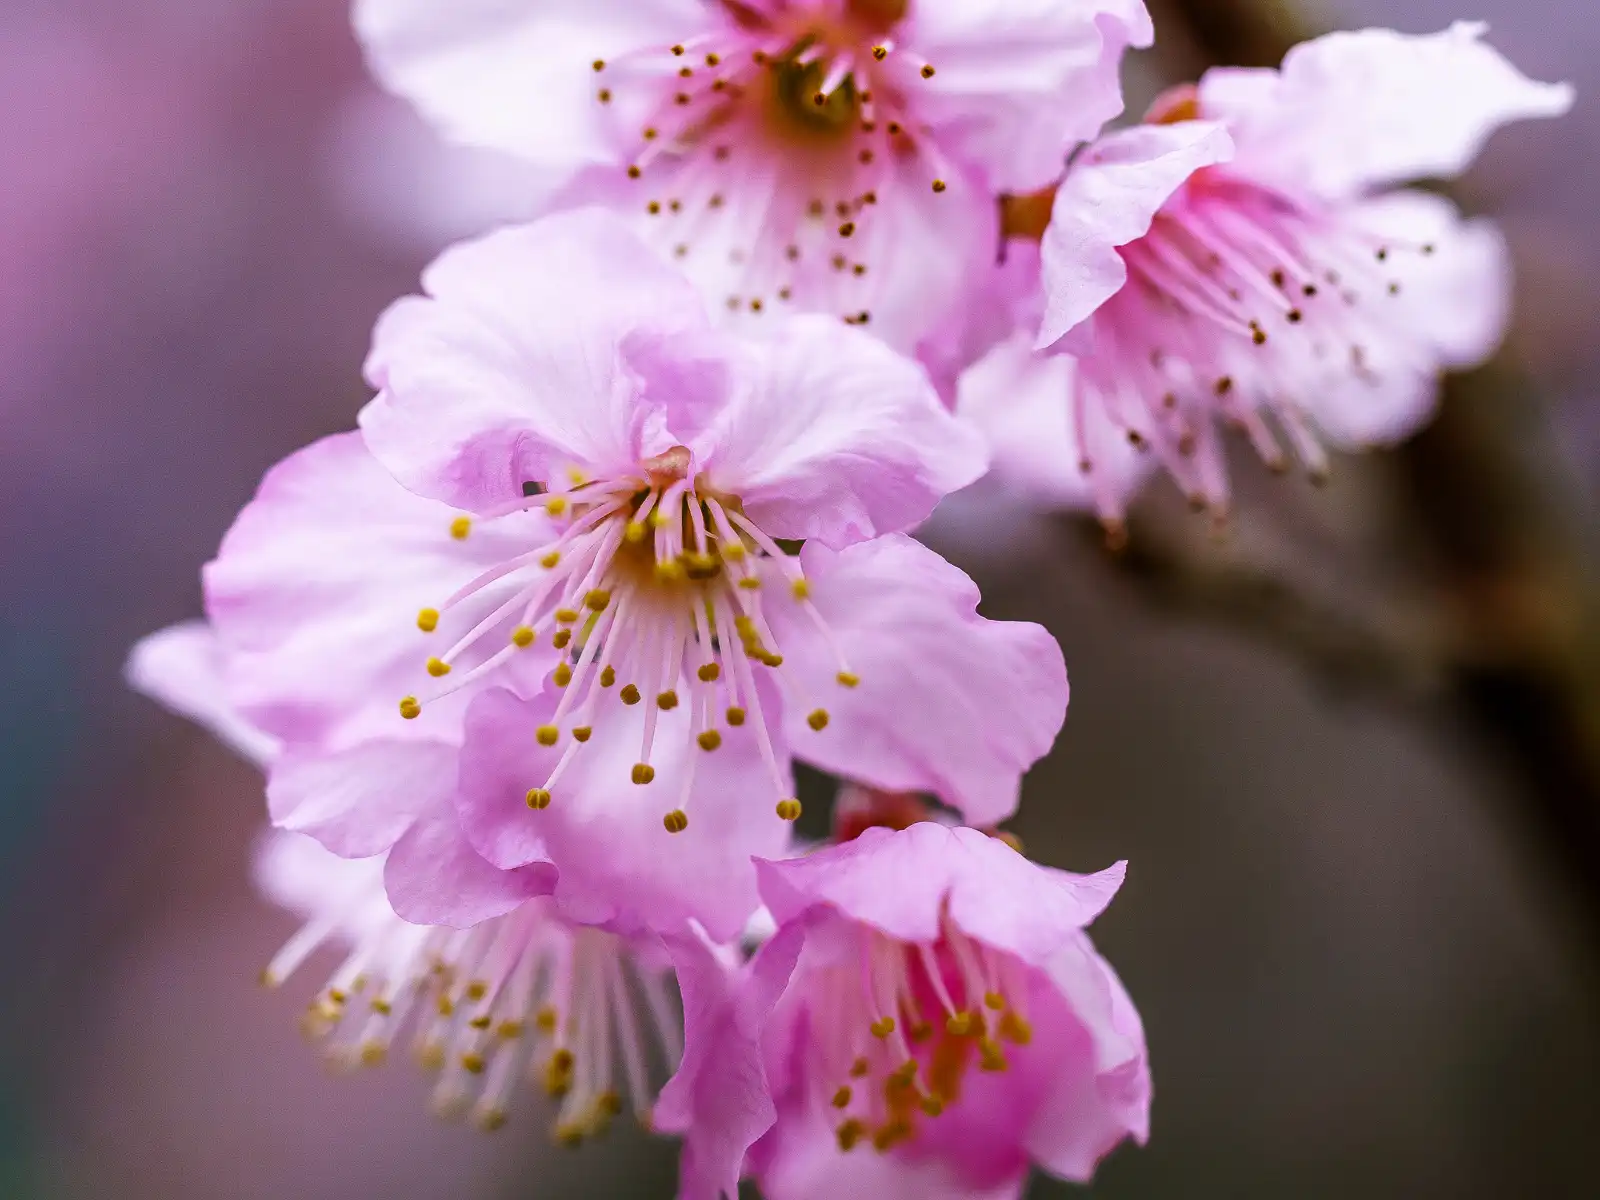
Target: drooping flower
<point>946,1024</point>
<point>586,1015</point>
<point>1238,259</point>
<point>572,486</point>
<point>827,155</point>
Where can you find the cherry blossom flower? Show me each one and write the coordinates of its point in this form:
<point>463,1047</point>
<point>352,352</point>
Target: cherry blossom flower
<point>829,155</point>
<point>573,487</point>
<point>1238,258</point>
<point>928,1019</point>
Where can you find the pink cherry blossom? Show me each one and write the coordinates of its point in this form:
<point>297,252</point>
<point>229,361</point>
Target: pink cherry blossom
<point>573,486</point>
<point>945,1024</point>
<point>831,155</point>
<point>1237,259</point>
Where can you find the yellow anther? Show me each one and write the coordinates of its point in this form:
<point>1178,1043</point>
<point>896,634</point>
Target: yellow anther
<point>549,561</point>
<point>522,637</point>
<point>848,678</point>
<point>381,1006</point>
<point>609,1103</point>
<point>568,1133</point>
<point>629,694</point>
<point>608,676</point>
<point>547,735</point>
<point>556,505</point>
<point>473,1062</point>
<point>409,708</point>
<point>634,531</point>
<point>481,1022</point>
<point>667,700</point>
<point>735,716</point>
<point>430,1056</point>
<point>994,1000</point>
<point>567,616</point>
<point>428,620</point>
<point>789,810</point>
<point>927,71</point>
<point>732,551</point>
<point>744,626</point>
<point>581,733</point>
<point>477,989</point>
<point>938,185</point>
<point>509,1030</point>
<point>643,773</point>
<point>709,672</point>
<point>576,476</point>
<point>990,1057</point>
<point>933,1104</point>
<point>447,1006</point>
<point>676,821</point>
<point>561,639</point>
<point>709,740</point>
<point>373,1054</point>
<point>669,570</point>
<point>890,1135</point>
<point>859,1068</point>
<point>1016,1029</point>
<point>437,667</point>
<point>769,659</point>
<point>460,527</point>
<point>850,1134</point>
<point>801,588</point>
<point>959,1024</point>
<point>818,719</point>
<point>841,1098</point>
<point>597,599</point>
<point>882,1027</point>
<point>660,518</point>
<point>491,1119</point>
<point>545,1019</point>
<point>538,798</point>
<point>751,583</point>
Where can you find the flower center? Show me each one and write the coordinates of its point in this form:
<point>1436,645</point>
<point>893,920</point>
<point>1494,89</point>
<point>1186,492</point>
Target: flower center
<point>896,1034</point>
<point>657,591</point>
<point>524,994</point>
<point>770,141</point>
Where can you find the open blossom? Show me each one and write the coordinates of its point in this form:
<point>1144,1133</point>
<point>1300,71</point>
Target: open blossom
<point>573,492</point>
<point>830,155</point>
<point>1237,259</point>
<point>928,1019</point>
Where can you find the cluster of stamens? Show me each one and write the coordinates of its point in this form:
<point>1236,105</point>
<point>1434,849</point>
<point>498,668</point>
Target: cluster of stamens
<point>895,1036</point>
<point>776,136</point>
<point>655,591</point>
<point>521,996</point>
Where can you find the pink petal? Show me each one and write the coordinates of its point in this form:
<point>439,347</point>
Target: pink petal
<point>1108,199</point>
<point>182,667</point>
<point>1104,1097</point>
<point>300,874</point>
<point>1353,111</point>
<point>604,833</point>
<point>1451,312</point>
<point>435,877</point>
<point>515,77</point>
<point>839,439</point>
<point>357,802</point>
<point>720,1099</point>
<point>510,369</point>
<point>901,882</point>
<point>1018,83</point>
<point>947,702</point>
<point>316,591</point>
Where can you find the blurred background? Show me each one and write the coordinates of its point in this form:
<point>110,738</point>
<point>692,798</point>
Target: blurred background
<point>1360,923</point>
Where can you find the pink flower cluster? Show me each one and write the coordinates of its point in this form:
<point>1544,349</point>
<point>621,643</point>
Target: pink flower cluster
<point>528,658</point>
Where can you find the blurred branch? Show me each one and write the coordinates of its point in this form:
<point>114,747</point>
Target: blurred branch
<point>1500,544</point>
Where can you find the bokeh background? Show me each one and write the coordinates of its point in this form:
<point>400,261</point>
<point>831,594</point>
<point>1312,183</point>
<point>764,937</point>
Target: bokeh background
<point>1364,971</point>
